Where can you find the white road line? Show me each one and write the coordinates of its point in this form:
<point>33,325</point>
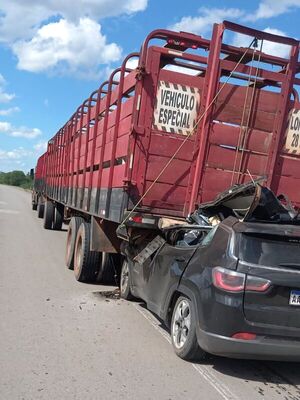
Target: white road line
<point>203,370</point>
<point>4,211</point>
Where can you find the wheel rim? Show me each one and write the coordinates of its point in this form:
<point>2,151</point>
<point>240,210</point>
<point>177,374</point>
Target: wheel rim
<point>181,324</point>
<point>78,256</point>
<point>124,277</point>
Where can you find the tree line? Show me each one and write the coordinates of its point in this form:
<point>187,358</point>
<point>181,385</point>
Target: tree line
<point>16,178</point>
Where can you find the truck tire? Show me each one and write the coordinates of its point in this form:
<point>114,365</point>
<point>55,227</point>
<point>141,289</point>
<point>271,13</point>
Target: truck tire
<point>40,208</point>
<point>108,268</point>
<point>125,291</point>
<point>34,206</point>
<point>183,331</point>
<point>49,214</point>
<point>58,217</point>
<point>86,262</point>
<point>71,240</point>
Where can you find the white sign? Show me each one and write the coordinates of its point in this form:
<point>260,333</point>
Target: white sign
<point>176,108</point>
<point>292,143</point>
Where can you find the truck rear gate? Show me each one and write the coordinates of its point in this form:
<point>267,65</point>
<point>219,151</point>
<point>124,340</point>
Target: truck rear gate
<point>113,148</point>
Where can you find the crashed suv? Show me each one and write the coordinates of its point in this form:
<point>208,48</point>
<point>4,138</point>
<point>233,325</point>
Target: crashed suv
<point>228,281</point>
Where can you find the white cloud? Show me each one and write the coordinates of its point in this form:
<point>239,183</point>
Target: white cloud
<point>9,111</point>
<point>16,159</point>
<point>21,18</point>
<point>22,131</point>
<point>182,70</point>
<point>132,63</point>
<point>40,147</point>
<point>272,8</point>
<point>66,47</point>
<point>15,154</point>
<point>280,50</point>
<point>4,97</point>
<point>208,16</point>
<point>62,36</point>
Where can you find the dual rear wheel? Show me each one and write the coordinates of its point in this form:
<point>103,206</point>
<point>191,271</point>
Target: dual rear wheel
<point>40,208</point>
<point>88,265</point>
<point>53,215</point>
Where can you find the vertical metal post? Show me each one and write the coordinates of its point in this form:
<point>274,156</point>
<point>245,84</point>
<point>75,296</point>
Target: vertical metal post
<point>122,71</point>
<point>103,141</point>
<point>99,101</point>
<point>211,84</point>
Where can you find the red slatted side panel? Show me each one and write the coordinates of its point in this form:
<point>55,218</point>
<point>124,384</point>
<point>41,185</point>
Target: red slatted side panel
<point>224,164</point>
<point>288,167</point>
<point>169,191</point>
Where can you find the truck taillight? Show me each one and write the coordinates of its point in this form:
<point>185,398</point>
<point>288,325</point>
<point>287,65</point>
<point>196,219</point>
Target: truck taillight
<point>235,282</point>
<point>230,281</point>
<point>142,220</point>
<point>137,219</point>
<point>182,44</point>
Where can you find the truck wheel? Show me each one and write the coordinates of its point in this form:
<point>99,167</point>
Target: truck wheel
<point>40,208</point>
<point>71,240</point>
<point>125,291</point>
<point>183,331</point>
<point>34,206</point>
<point>108,268</point>
<point>86,262</point>
<point>58,217</point>
<point>49,214</point>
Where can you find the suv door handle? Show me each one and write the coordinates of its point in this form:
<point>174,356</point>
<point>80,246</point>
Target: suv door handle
<point>180,259</point>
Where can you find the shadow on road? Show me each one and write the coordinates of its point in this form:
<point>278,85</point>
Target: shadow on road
<point>279,376</point>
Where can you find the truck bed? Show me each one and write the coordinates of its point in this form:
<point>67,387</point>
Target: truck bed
<point>109,155</point>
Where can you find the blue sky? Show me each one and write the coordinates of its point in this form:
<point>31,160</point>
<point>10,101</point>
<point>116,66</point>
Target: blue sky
<point>54,53</point>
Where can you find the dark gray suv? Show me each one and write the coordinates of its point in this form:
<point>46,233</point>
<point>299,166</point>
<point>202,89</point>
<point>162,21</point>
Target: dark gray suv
<point>228,282</point>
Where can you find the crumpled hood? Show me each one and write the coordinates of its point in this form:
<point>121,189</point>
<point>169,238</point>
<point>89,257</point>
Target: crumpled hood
<point>249,202</point>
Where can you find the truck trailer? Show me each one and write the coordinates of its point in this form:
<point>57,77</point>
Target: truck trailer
<point>152,143</point>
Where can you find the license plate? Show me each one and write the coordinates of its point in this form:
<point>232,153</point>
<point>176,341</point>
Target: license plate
<point>295,298</point>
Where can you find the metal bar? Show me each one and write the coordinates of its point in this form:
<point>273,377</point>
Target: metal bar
<point>100,92</point>
<point>260,34</point>
<point>245,69</point>
<point>83,112</point>
<point>122,71</point>
<point>69,159</point>
<point>87,132</point>
<point>73,151</point>
<point>209,90</point>
<point>132,138</point>
<point>103,141</point>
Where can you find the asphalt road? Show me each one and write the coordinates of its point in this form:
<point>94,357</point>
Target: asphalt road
<point>61,339</point>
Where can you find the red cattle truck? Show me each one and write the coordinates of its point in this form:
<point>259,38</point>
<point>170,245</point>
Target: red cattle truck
<point>195,117</point>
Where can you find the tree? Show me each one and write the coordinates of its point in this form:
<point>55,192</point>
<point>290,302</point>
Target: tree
<point>16,178</point>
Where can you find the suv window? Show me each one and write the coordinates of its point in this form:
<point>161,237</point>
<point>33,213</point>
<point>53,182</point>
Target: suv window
<point>270,249</point>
